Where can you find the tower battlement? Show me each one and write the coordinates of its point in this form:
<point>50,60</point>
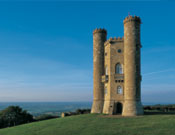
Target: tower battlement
<point>114,39</point>
<point>99,30</point>
<point>132,18</point>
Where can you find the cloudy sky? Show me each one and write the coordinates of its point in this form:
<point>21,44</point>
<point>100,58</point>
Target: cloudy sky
<point>46,48</point>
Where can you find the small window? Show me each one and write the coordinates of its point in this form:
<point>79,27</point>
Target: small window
<point>118,69</point>
<point>119,90</point>
<point>106,70</point>
<point>106,90</point>
<point>119,50</point>
<point>105,54</point>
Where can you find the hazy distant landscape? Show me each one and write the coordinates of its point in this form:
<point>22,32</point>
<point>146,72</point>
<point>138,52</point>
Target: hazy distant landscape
<point>52,108</point>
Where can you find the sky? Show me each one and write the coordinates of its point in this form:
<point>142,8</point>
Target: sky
<point>46,50</point>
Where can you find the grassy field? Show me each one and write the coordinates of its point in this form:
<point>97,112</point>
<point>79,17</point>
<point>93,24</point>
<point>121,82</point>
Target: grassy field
<point>92,124</point>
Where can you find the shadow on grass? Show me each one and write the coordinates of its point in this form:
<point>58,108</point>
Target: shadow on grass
<point>158,113</point>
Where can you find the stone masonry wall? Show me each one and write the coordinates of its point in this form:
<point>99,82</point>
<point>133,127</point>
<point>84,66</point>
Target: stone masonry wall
<point>132,104</point>
<point>99,37</point>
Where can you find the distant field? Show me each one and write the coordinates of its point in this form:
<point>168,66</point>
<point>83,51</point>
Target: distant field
<point>52,108</point>
<point>92,124</point>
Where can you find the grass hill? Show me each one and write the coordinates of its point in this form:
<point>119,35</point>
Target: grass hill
<point>93,124</point>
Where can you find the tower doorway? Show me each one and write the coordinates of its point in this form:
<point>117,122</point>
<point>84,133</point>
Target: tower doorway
<point>118,108</point>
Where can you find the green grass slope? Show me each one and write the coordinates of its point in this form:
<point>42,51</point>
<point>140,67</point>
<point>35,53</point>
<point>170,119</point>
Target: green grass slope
<point>92,124</point>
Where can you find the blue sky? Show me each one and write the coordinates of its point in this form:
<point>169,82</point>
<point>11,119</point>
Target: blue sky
<point>46,48</point>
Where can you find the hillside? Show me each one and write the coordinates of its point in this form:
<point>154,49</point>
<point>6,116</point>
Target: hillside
<point>98,125</point>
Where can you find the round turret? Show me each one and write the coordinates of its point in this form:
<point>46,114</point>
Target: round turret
<point>132,97</point>
<point>99,37</point>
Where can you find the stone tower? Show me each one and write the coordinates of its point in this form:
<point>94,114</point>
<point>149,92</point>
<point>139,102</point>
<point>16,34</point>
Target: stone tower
<point>99,37</point>
<point>132,45</point>
<point>116,71</point>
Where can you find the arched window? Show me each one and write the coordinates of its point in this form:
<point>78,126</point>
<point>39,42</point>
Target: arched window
<point>119,90</point>
<point>106,70</point>
<point>118,69</point>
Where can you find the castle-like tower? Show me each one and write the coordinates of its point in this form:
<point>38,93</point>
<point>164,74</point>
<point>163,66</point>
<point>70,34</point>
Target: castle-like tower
<point>116,69</point>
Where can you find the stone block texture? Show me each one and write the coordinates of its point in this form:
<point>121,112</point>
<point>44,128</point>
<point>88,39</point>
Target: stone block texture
<point>99,37</point>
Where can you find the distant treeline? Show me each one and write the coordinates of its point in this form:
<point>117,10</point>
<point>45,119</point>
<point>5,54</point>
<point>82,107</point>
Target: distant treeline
<point>15,115</point>
<point>162,108</point>
<point>77,112</point>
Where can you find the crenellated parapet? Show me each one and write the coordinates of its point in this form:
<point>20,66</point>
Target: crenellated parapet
<point>132,18</point>
<point>99,30</point>
<point>112,40</point>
